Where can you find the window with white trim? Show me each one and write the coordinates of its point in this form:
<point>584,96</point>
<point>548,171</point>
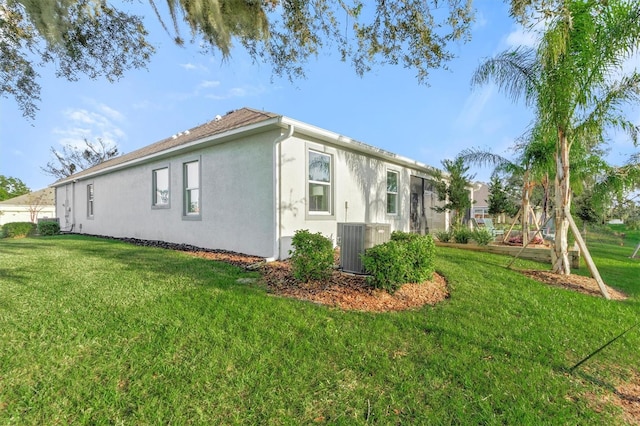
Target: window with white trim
<point>192,188</point>
<point>90,200</point>
<point>392,192</point>
<point>161,187</point>
<point>319,180</point>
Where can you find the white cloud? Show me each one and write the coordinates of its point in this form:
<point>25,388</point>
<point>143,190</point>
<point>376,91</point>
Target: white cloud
<point>193,67</point>
<point>206,84</point>
<point>474,106</point>
<point>111,113</point>
<point>238,92</point>
<point>521,37</point>
<point>80,124</point>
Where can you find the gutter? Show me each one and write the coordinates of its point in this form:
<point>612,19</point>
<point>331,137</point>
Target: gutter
<point>202,142</point>
<point>357,146</point>
<point>277,189</point>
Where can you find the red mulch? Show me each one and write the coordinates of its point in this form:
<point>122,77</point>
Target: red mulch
<point>342,290</point>
<point>585,285</point>
<point>351,292</point>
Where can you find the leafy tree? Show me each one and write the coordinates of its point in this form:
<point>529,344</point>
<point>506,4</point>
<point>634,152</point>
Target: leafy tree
<point>454,189</point>
<point>81,37</point>
<point>528,170</point>
<point>575,81</point>
<point>615,190</point>
<point>98,39</point>
<point>586,209</point>
<point>73,159</point>
<point>499,200</point>
<point>12,187</point>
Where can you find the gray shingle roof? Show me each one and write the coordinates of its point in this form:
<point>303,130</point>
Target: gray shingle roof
<point>232,120</point>
<point>42,197</point>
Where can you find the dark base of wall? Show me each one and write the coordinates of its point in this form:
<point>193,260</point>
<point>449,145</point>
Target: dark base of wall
<point>170,246</point>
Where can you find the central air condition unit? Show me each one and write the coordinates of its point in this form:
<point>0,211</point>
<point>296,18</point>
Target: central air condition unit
<point>355,238</point>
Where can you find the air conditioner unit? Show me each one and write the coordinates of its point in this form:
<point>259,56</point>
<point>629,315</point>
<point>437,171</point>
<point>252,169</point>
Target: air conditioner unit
<point>355,238</point>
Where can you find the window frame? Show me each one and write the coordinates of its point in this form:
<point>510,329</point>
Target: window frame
<point>91,200</point>
<point>186,214</point>
<point>395,193</point>
<point>154,188</point>
<point>328,212</point>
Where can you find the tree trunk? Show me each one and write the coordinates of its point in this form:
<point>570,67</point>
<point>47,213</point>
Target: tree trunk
<point>525,209</point>
<point>563,219</point>
<point>562,206</point>
<point>546,201</point>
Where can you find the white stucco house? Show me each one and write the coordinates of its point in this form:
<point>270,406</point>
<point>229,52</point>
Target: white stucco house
<point>246,182</point>
<point>28,207</point>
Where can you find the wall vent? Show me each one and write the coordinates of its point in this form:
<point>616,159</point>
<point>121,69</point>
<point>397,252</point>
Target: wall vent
<point>355,238</point>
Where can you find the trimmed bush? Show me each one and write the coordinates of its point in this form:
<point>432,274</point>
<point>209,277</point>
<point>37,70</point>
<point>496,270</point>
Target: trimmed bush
<point>462,235</point>
<point>482,236</point>
<point>17,229</point>
<point>407,258</point>
<point>48,227</point>
<point>312,257</point>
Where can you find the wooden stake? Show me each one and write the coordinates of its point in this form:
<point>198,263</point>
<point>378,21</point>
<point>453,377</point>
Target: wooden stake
<point>587,257</point>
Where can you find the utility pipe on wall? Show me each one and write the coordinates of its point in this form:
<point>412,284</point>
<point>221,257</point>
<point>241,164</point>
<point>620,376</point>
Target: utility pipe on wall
<point>277,182</point>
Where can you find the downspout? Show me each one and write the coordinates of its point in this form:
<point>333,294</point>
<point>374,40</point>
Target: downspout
<point>277,183</point>
<point>73,205</point>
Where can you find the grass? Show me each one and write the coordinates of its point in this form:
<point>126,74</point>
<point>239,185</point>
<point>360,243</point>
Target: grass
<point>101,332</point>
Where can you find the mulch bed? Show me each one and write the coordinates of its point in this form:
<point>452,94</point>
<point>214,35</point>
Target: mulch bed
<point>585,285</point>
<point>351,292</point>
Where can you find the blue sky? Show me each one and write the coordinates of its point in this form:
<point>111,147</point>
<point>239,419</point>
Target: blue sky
<point>183,88</point>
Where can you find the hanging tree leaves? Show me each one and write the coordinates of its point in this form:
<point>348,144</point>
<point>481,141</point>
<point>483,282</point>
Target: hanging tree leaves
<point>98,39</point>
<point>80,37</point>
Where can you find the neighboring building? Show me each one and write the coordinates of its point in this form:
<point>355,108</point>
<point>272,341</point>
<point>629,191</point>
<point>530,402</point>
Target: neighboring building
<point>480,206</point>
<point>28,207</point>
<point>246,182</point>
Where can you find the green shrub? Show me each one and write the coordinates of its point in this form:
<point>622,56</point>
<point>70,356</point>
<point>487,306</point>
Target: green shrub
<point>17,229</point>
<point>444,236</point>
<point>48,227</point>
<point>404,236</point>
<point>482,236</point>
<point>406,258</point>
<point>421,254</point>
<point>312,257</point>
<point>462,235</point>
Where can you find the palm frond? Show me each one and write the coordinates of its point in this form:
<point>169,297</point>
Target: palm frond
<point>514,71</point>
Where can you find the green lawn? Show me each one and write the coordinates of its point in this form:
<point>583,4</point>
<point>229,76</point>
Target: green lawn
<point>101,332</point>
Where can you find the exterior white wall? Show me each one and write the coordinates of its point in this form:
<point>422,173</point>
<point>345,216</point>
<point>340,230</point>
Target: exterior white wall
<point>236,194</point>
<point>20,213</point>
<point>240,182</point>
<point>359,191</point>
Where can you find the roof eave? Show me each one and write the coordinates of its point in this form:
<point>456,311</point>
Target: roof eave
<point>352,144</point>
<point>190,146</point>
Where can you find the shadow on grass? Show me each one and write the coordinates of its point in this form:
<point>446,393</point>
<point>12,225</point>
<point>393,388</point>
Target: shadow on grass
<point>157,261</point>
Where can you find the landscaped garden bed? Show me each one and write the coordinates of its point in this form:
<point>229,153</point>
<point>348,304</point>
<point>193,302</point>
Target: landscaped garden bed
<point>537,252</point>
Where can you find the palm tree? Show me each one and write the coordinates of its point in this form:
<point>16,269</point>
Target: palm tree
<point>531,164</point>
<point>575,81</point>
